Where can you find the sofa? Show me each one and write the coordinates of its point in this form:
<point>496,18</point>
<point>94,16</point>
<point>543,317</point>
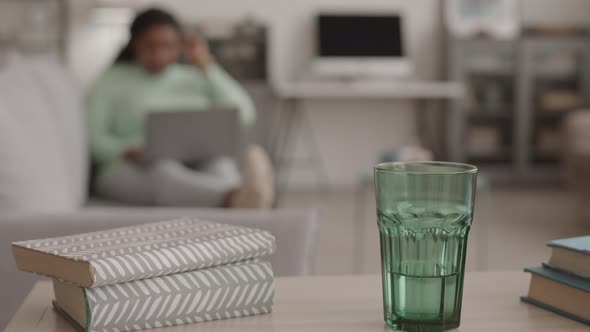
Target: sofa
<point>44,181</point>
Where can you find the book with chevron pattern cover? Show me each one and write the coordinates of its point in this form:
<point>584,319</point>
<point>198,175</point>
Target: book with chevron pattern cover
<point>220,292</point>
<point>143,251</point>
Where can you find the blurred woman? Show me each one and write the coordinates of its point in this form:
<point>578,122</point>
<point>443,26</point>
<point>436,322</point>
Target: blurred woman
<point>147,75</point>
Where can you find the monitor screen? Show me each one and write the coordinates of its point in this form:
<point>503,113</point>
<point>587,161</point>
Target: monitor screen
<point>359,36</point>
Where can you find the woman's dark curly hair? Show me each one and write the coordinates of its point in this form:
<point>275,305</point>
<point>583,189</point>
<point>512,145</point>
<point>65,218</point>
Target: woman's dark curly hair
<point>143,21</point>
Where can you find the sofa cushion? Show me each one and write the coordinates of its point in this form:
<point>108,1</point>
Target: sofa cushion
<point>65,105</point>
<point>36,172</point>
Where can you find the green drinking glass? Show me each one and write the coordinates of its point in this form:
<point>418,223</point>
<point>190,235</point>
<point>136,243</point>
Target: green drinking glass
<point>424,212</point>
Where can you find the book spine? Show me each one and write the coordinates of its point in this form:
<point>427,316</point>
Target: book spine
<point>215,293</point>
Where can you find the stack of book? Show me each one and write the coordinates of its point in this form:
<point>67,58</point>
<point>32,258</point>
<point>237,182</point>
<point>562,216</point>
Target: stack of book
<point>562,285</point>
<point>153,275</point>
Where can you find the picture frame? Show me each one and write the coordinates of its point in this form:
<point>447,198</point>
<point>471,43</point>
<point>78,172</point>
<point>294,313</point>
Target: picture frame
<point>497,19</point>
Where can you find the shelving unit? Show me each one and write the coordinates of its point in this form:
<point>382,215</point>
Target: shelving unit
<point>519,91</point>
<point>558,66</point>
<point>482,126</point>
<point>241,47</point>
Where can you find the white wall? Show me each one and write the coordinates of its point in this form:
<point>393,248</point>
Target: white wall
<point>350,134</point>
<point>292,23</point>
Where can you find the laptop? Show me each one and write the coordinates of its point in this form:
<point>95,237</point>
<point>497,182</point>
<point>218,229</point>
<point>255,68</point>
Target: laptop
<point>192,136</point>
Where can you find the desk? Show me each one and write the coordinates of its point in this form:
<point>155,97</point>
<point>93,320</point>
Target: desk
<point>292,120</point>
<point>384,89</point>
<point>342,303</point>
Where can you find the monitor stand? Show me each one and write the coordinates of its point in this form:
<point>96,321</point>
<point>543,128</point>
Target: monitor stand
<point>361,68</point>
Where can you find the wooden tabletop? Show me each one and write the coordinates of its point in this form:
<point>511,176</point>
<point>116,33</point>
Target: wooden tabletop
<point>401,89</point>
<point>342,303</point>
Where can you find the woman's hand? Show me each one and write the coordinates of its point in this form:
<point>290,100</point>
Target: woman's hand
<point>133,154</point>
<point>196,50</point>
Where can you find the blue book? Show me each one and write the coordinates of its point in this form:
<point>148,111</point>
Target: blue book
<point>571,256</point>
<point>563,294</point>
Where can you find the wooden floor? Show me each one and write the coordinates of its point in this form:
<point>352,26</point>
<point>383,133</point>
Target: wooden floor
<point>518,225</point>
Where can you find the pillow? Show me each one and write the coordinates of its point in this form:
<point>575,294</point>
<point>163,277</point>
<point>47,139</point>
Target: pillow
<point>34,174</point>
<point>18,176</point>
<point>65,106</point>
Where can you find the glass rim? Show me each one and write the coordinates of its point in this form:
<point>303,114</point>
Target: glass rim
<point>455,168</point>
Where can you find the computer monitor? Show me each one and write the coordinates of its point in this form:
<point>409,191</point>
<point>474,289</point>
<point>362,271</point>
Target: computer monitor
<point>361,45</point>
